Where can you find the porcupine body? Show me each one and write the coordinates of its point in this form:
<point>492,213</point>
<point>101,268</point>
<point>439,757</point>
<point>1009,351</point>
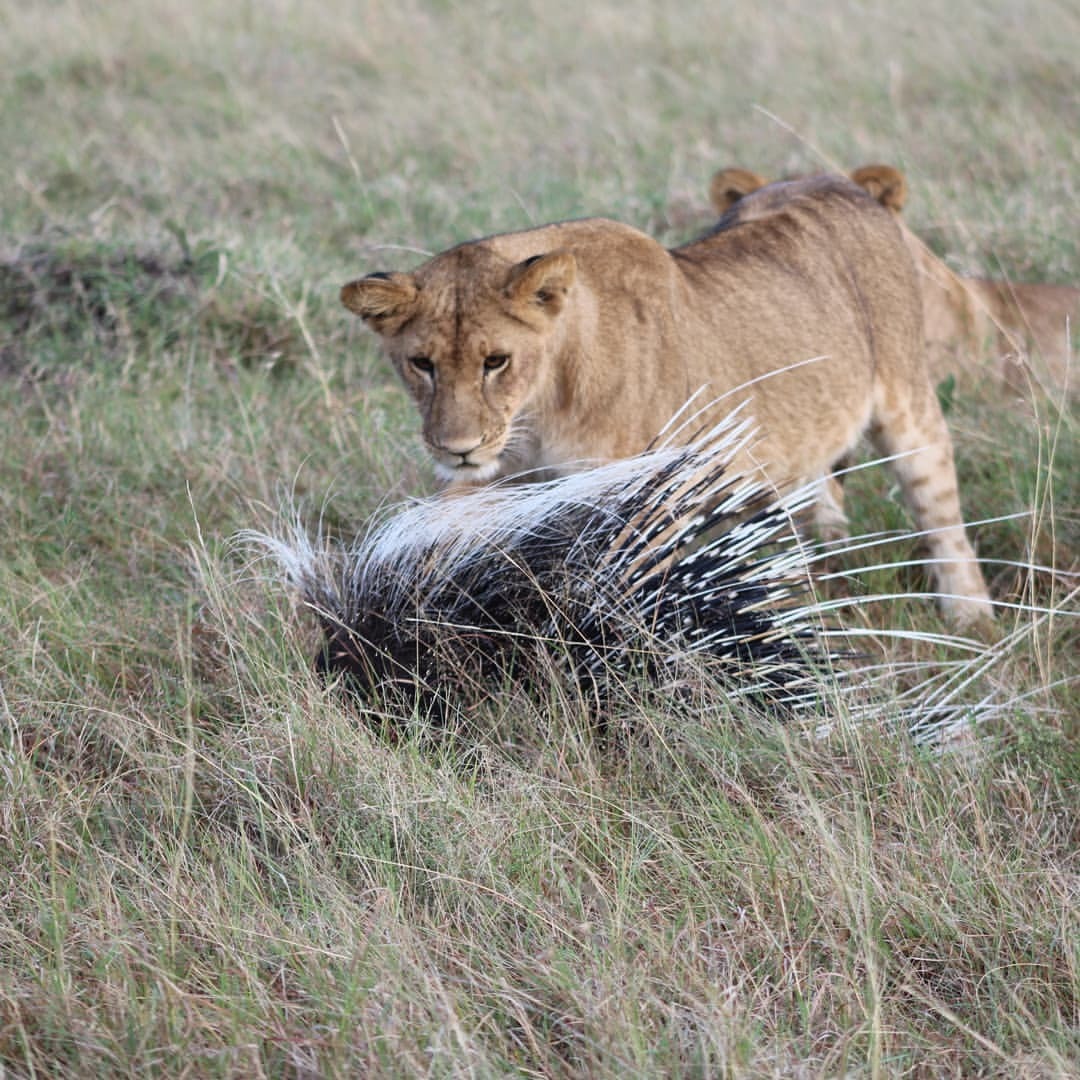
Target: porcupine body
<point>615,572</point>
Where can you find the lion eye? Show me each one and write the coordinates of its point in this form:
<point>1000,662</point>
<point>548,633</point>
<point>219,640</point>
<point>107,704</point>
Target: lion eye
<point>496,361</point>
<point>422,363</point>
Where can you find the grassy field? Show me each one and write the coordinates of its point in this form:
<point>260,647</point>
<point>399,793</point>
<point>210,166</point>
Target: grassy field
<point>208,865</point>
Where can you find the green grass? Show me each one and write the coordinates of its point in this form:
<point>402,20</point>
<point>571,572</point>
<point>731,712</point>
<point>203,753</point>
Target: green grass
<point>211,866</point>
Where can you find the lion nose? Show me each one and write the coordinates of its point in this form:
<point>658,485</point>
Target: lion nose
<point>461,448</point>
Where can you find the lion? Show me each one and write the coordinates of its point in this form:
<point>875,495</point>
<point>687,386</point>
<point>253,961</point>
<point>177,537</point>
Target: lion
<point>1024,327</point>
<point>577,342</point>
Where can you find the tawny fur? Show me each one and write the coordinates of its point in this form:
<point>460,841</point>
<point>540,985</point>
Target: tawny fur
<point>577,342</point>
<point>1018,331</point>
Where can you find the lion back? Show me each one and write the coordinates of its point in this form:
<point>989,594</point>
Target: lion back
<point>823,263</point>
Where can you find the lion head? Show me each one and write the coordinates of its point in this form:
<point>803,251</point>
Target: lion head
<point>471,334</point>
<point>885,183</point>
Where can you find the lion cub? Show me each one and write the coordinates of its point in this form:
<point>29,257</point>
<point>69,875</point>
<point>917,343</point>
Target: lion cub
<point>1022,329</point>
<point>574,343</point>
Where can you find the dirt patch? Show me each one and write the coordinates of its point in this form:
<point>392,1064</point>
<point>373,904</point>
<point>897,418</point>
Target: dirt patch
<point>66,303</point>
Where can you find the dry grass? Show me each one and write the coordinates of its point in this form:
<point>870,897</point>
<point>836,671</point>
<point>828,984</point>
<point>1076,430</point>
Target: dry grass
<point>210,866</point>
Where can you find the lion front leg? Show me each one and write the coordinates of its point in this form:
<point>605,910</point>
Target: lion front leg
<point>914,434</point>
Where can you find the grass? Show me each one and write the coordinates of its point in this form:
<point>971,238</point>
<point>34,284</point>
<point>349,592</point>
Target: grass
<point>210,866</point>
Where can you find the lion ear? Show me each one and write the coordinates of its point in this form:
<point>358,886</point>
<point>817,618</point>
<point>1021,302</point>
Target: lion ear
<point>383,301</point>
<point>728,186</point>
<point>886,184</point>
<point>544,281</point>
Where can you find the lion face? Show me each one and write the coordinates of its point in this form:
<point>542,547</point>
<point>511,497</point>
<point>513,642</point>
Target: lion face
<point>472,337</point>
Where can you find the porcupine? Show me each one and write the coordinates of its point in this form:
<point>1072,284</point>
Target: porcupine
<point>617,571</point>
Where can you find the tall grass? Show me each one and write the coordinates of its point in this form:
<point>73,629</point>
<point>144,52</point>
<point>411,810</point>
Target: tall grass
<point>210,865</point>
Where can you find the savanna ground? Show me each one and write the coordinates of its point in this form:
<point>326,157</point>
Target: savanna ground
<point>209,866</point>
